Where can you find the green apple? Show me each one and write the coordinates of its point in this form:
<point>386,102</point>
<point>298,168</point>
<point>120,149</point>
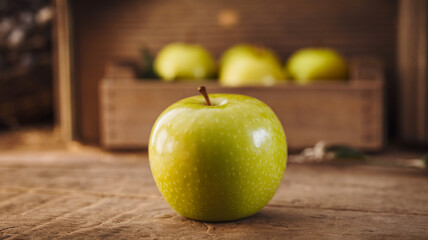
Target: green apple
<point>249,65</point>
<point>184,61</point>
<point>218,162</point>
<point>311,64</point>
<point>235,51</point>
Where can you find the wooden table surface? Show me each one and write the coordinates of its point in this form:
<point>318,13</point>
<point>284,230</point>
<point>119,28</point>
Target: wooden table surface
<point>92,196</point>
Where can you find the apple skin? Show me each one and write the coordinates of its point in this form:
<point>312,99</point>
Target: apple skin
<point>184,61</point>
<point>312,64</point>
<point>249,65</point>
<point>221,162</point>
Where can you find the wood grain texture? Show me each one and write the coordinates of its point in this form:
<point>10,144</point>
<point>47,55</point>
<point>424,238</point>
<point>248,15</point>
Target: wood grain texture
<point>63,75</point>
<point>412,70</point>
<point>107,29</point>
<point>92,198</point>
<point>336,112</point>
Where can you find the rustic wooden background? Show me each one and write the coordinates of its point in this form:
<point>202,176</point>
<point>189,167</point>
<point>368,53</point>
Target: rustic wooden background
<point>107,29</point>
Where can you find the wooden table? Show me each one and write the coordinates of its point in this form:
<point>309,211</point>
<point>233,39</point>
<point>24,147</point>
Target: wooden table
<point>68,195</point>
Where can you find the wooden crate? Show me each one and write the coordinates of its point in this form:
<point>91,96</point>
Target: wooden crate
<point>338,112</point>
<point>90,33</point>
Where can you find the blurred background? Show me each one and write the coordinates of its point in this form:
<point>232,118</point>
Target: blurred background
<point>71,71</point>
<point>26,63</point>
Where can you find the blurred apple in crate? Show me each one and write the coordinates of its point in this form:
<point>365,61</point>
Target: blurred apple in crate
<point>250,65</point>
<point>313,64</point>
<point>184,61</point>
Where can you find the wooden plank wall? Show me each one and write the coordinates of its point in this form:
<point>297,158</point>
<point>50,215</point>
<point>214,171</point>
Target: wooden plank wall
<point>412,69</point>
<point>107,29</point>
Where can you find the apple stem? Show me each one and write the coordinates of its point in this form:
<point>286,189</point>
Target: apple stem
<point>204,93</point>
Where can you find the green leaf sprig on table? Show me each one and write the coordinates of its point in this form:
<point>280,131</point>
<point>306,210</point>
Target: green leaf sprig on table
<point>322,152</point>
<point>346,152</point>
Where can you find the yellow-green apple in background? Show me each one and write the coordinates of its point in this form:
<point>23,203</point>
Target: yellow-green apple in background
<point>249,65</point>
<point>218,162</point>
<point>184,61</point>
<point>311,64</point>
